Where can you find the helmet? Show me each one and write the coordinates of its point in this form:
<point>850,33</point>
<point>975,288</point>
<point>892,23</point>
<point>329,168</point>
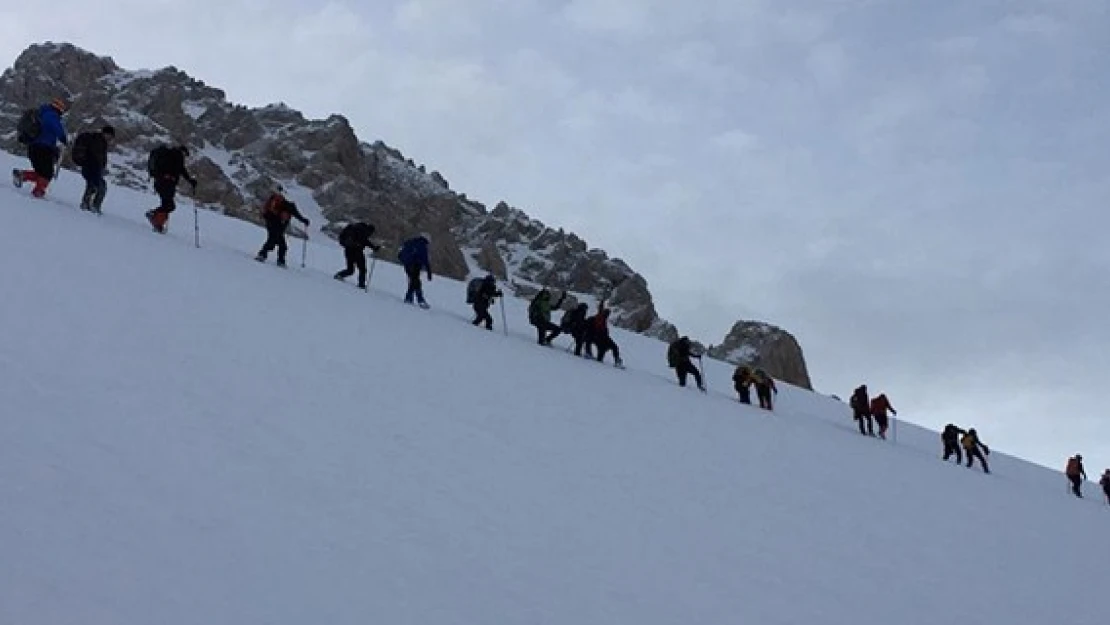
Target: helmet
<point>108,130</point>
<point>183,149</point>
<point>59,105</point>
<point>1078,456</point>
<point>490,278</point>
<point>427,237</point>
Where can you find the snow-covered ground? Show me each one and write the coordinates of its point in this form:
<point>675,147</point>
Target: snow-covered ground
<point>188,436</point>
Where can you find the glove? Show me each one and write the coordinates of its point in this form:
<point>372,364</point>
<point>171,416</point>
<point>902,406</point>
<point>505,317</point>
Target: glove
<point>305,222</point>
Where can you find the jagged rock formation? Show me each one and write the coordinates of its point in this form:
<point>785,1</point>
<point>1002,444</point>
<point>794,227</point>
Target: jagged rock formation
<point>239,154</point>
<point>767,346</point>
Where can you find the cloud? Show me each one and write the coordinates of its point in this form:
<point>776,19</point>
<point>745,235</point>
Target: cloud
<point>918,195</point>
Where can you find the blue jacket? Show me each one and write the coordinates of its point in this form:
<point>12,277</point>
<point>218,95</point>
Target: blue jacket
<point>415,252</point>
<point>52,129</point>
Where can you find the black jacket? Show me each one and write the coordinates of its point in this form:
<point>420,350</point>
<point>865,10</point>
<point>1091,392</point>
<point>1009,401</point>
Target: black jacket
<point>951,434</point>
<point>486,293</point>
<point>171,164</point>
<point>357,236</point>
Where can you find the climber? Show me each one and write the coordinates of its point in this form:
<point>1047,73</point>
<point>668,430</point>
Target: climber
<point>878,408</point>
<point>41,130</point>
<point>90,153</point>
<point>764,387</point>
<point>1076,474</point>
<point>539,315</point>
<point>354,239</point>
<point>861,410</point>
<point>277,211</point>
<point>574,324</point>
<point>1105,482</point>
<point>678,358</point>
<point>951,439</point>
<point>974,448</point>
<point>742,380</point>
<point>484,294</point>
<point>414,258</point>
<point>597,335</point>
<point>166,166</point>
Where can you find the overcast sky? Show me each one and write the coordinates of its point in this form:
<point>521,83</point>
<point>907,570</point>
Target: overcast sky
<point>917,190</point>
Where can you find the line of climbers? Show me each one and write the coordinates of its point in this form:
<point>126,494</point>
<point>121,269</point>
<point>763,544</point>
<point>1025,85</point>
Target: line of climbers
<point>41,129</point>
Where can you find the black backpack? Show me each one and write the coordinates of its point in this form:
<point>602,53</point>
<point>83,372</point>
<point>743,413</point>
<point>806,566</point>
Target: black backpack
<point>156,162</point>
<point>80,151</point>
<point>672,355</point>
<point>29,127</point>
<point>472,289</point>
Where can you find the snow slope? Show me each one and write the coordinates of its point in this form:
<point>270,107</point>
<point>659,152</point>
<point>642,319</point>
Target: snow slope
<point>190,437</point>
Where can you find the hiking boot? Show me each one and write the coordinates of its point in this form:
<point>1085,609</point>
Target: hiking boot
<point>281,262</point>
<point>17,178</point>
<point>339,276</point>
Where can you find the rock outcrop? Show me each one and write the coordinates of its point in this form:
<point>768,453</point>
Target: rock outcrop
<point>240,153</point>
<point>767,346</point>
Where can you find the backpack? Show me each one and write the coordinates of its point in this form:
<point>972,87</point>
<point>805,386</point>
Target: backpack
<point>29,127</point>
<point>156,162</point>
<point>81,149</point>
<point>472,289</point>
<point>672,355</point>
<point>534,313</point>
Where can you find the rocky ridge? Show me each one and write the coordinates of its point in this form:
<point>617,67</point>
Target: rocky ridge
<point>240,153</point>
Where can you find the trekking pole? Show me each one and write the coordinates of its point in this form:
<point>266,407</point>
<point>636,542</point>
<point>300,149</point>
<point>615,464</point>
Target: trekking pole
<point>370,274</point>
<point>894,429</point>
<point>196,226</point>
<point>304,248</point>
<point>504,324</point>
<point>701,370</point>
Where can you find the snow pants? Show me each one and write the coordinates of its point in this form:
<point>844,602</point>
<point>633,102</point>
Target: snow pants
<point>953,447</point>
<point>415,289</point>
<point>356,259</point>
<point>745,393</point>
<point>275,238</point>
<point>1076,485</point>
<point>481,313</point>
<point>95,186</point>
<point>974,453</point>
<point>687,368</point>
<point>763,394</point>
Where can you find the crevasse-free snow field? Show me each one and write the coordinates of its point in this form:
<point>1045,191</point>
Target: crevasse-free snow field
<point>189,437</point>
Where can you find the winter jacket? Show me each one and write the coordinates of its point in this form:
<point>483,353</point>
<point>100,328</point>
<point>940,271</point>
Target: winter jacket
<point>1105,481</point>
<point>486,293</point>
<point>1075,468</point>
<point>762,379</point>
<point>951,434</point>
<point>51,128</point>
<point>357,236</point>
<point>859,402</point>
<point>277,211</point>
<point>574,320</point>
<point>880,405</point>
<point>971,441</point>
<point>743,377</point>
<point>598,325</point>
<point>540,308</point>
<point>171,164</point>
<point>414,252</point>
